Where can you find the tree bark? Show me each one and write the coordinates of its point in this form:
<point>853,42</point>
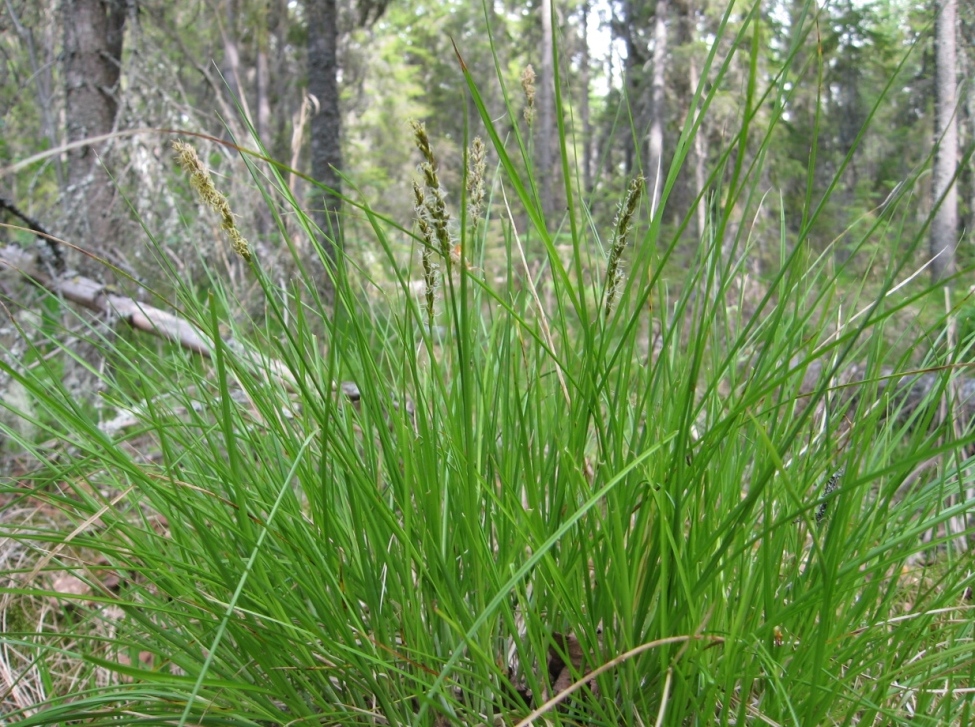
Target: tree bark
<point>545,139</point>
<point>584,105</point>
<point>326,150</point>
<point>637,27</point>
<point>231,54</point>
<point>263,121</point>
<point>700,160</point>
<point>41,73</point>
<point>655,139</point>
<point>944,226</point>
<point>686,37</point>
<point>633,80</point>
<point>93,31</point>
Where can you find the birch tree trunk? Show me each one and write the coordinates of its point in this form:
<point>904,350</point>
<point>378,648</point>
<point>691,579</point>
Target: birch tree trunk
<point>263,85</point>
<point>700,160</point>
<point>262,122</point>
<point>545,140</point>
<point>655,139</point>
<point>584,104</point>
<point>230,69</point>
<point>944,226</point>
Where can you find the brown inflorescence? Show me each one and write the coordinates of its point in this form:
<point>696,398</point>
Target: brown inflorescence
<point>429,266</point>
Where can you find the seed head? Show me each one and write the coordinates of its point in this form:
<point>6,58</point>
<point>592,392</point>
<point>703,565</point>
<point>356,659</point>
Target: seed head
<point>423,141</point>
<point>426,257</point>
<point>475,178</point>
<point>833,484</point>
<point>202,182</point>
<point>621,231</point>
<point>528,83</point>
<point>436,203</point>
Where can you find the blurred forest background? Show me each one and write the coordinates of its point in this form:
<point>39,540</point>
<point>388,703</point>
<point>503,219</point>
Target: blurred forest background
<point>329,88</point>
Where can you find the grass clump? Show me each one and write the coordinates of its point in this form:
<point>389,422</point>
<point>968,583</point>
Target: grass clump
<point>572,506</point>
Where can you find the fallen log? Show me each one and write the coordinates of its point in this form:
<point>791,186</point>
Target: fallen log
<point>902,392</point>
<point>97,297</point>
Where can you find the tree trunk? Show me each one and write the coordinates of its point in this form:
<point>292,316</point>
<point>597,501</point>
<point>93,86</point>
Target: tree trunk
<point>606,137</point>
<point>584,105</point>
<point>231,60</point>
<point>634,27</point>
<point>262,90</point>
<point>700,160</point>
<point>92,64</point>
<point>545,139</point>
<point>41,65</point>
<point>326,151</point>
<point>263,125</point>
<point>655,139</point>
<point>968,94</point>
<point>944,226</point>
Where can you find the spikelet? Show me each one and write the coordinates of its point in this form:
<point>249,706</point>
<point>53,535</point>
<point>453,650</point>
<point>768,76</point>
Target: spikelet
<point>201,181</point>
<point>422,140</point>
<point>476,165</point>
<point>429,266</point>
<point>528,83</point>
<point>831,486</point>
<point>436,203</point>
<point>621,231</point>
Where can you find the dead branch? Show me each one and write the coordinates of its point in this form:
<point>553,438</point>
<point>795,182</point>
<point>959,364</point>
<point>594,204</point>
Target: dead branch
<point>54,251</point>
<point>902,392</point>
<point>97,297</point>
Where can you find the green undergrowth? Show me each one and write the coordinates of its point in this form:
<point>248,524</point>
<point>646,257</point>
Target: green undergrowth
<point>559,494</point>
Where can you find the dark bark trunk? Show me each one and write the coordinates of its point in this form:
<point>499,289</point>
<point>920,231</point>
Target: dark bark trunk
<point>93,32</point>
<point>326,151</point>
<point>631,28</point>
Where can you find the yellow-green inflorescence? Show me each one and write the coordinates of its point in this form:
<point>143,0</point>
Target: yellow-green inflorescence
<point>436,203</point>
<point>431,213</point>
<point>476,166</point>
<point>621,231</point>
<point>201,181</point>
<point>528,84</point>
